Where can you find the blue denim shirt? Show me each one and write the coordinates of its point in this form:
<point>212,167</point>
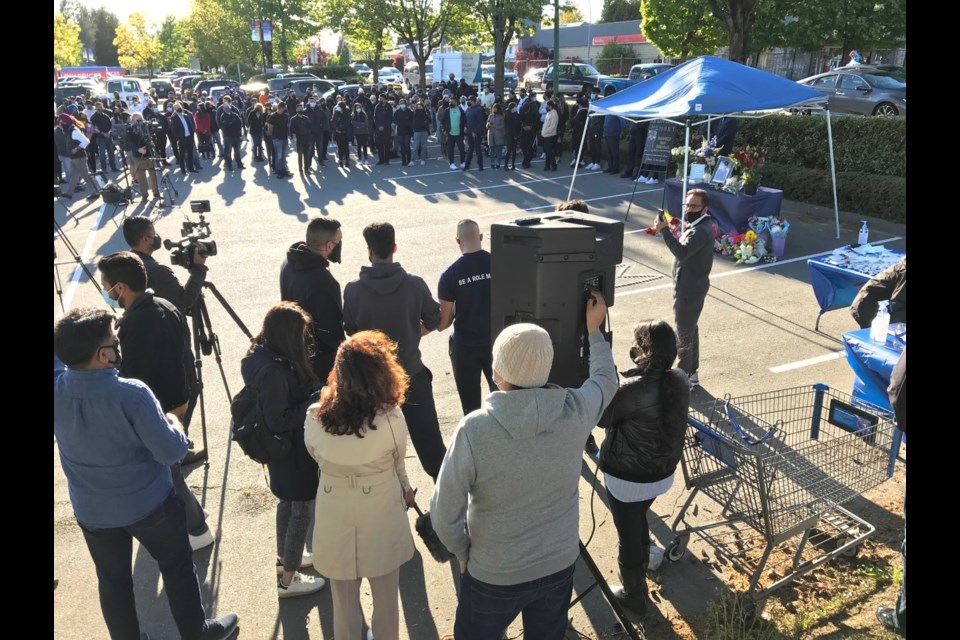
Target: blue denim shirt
<point>115,446</point>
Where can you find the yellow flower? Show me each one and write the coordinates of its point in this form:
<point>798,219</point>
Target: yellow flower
<point>750,236</point>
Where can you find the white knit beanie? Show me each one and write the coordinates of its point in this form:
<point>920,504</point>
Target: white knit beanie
<point>523,355</point>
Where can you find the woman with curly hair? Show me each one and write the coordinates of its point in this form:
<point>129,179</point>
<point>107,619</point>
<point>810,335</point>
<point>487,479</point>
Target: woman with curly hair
<point>358,436</point>
<point>645,426</point>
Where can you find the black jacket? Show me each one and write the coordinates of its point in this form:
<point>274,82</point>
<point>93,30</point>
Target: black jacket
<point>645,432</point>
<point>530,114</point>
<point>283,402</point>
<point>300,126</point>
<point>230,122</point>
<point>176,125</point>
<point>403,118</point>
<point>155,344</point>
<point>890,284</point>
<point>342,123</point>
<point>165,285</point>
<point>319,117</point>
<point>387,298</point>
<point>305,278</point>
<point>512,125</point>
<point>421,120</point>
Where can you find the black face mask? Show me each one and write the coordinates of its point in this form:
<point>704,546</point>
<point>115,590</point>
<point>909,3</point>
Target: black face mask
<point>335,254</point>
<point>156,243</point>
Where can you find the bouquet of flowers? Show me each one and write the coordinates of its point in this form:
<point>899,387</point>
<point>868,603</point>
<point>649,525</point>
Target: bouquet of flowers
<point>750,158</point>
<point>675,226</point>
<point>759,224</point>
<point>779,227</point>
<point>707,154</point>
<point>750,249</point>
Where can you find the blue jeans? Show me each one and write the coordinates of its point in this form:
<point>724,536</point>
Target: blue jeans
<point>105,149</point>
<point>257,143</point>
<point>419,147</point>
<point>485,611</point>
<point>280,155</point>
<point>163,534</point>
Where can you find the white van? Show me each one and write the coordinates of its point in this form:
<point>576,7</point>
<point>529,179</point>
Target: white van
<point>411,74</point>
<point>128,87</point>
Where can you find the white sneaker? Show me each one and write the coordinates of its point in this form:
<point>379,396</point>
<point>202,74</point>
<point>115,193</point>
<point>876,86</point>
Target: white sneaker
<point>202,541</point>
<point>453,167</point>
<point>597,167</point>
<point>641,180</point>
<point>306,562</point>
<point>656,557</point>
<point>653,180</point>
<point>573,162</point>
<point>463,165</point>
<point>369,634</point>
<point>423,162</point>
<point>543,156</point>
<point>694,380</point>
<point>300,585</point>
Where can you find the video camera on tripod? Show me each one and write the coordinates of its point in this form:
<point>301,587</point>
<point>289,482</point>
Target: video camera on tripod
<point>182,251</point>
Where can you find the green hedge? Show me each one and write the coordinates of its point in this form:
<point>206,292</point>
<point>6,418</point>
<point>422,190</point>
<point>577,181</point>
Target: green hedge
<point>863,145</point>
<point>869,194</point>
<point>333,72</point>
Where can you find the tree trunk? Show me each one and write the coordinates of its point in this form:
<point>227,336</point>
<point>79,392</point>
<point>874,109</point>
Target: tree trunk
<point>421,57</point>
<point>377,52</point>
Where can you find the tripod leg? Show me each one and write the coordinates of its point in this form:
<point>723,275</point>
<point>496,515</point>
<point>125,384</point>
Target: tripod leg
<point>600,581</point>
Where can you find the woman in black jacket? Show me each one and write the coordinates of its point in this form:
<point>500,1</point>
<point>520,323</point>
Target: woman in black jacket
<point>513,126</point>
<point>645,426</point>
<point>277,367</point>
<point>342,125</point>
<point>361,130</point>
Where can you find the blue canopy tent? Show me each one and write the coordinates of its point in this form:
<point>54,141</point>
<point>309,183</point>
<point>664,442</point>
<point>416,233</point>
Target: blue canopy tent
<point>713,88</point>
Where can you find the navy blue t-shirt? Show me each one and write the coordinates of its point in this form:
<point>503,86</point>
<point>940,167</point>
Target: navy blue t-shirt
<point>466,283</point>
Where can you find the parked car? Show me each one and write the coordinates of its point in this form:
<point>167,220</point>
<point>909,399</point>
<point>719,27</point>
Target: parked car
<point>638,73</point>
<point>509,77</point>
<point>863,91</point>
<point>186,82</point>
<point>128,87</point>
<point>574,76</point>
<point>302,86</point>
<point>411,74</point>
<point>162,86</point>
<point>531,80</point>
<point>284,80</point>
<point>363,70</point>
<point>390,76</point>
<point>72,91</point>
<point>207,85</point>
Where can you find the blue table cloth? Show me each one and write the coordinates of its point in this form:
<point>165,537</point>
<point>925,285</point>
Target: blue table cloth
<point>873,363</point>
<point>729,210</point>
<point>835,287</point>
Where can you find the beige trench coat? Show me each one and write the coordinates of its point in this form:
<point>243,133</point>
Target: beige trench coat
<point>361,529</point>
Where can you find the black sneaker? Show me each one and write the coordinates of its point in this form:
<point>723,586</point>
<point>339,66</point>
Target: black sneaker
<point>221,628</point>
<point>888,618</point>
<point>591,445</point>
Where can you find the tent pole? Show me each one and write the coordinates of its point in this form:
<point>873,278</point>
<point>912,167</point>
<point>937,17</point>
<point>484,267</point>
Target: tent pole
<point>686,171</point>
<point>583,137</point>
<point>833,172</point>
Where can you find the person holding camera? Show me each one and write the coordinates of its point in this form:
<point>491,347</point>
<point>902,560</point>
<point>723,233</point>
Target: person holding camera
<point>277,367</point>
<point>115,447</point>
<point>517,548</point>
<point>156,342</point>
<point>140,143</point>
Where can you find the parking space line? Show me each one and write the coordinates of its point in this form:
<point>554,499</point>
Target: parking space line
<point>783,368</point>
<point>78,270</point>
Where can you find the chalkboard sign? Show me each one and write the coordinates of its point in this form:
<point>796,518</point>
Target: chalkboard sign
<point>660,136</point>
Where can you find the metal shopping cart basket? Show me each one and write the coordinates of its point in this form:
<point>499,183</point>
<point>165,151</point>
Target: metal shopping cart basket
<point>781,464</point>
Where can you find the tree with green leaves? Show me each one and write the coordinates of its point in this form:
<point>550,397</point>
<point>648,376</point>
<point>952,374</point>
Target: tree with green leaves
<point>421,26</point>
<point>66,42</point>
<point>615,59</point>
<point>173,38</point>
<point>362,23</point>
<point>504,20</point>
<point>620,10</point>
<point>137,44</point>
<point>292,21</point>
<point>737,17</point>
<point>104,50</point>
<point>681,28</point>
<point>569,14</point>
<point>219,33</point>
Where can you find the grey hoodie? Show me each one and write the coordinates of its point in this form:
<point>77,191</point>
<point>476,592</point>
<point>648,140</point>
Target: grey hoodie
<point>507,495</point>
<point>388,299</point>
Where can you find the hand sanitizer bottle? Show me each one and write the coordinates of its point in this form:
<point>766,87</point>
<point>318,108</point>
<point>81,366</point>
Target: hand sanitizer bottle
<point>864,236</point>
<point>880,324</point>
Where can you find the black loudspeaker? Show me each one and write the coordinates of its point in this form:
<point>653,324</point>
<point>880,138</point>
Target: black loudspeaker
<point>541,269</point>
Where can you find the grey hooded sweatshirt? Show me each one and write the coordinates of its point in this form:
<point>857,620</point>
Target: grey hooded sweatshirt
<point>507,497</point>
<point>388,299</point>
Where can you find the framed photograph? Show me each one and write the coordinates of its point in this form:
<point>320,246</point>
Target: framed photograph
<point>697,172</point>
<point>722,171</point>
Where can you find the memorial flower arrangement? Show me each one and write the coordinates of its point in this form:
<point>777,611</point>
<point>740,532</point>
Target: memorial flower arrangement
<point>707,154</point>
<point>744,248</point>
<point>759,224</point>
<point>678,154</point>
<point>749,166</point>
<point>779,227</point>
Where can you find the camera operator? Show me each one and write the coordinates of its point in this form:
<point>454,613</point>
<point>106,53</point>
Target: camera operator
<point>140,143</point>
<point>161,130</point>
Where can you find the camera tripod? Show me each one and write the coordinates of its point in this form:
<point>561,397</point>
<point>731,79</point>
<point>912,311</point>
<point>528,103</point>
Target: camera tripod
<point>205,342</point>
<point>57,284</point>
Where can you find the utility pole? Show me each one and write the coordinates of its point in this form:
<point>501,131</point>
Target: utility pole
<point>556,47</point>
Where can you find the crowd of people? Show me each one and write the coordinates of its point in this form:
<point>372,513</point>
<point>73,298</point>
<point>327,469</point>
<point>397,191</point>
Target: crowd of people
<point>470,125</point>
<point>340,376</point>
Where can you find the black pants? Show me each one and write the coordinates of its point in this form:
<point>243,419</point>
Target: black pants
<point>474,147</point>
<point>304,153</point>
<point>470,365</point>
<point>343,149</point>
<point>231,146</point>
<point>630,518</point>
<point>423,424</point>
<point>186,155</point>
<point>163,534</point>
<point>317,138</point>
<point>613,153</point>
<point>511,159</point>
<point>594,148</point>
<point>455,140</point>
<point>686,314</point>
<point>384,144</point>
<point>550,149</point>
<point>362,146</point>
<point>528,140</point>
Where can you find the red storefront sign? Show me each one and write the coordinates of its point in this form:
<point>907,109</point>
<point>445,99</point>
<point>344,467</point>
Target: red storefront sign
<point>629,38</point>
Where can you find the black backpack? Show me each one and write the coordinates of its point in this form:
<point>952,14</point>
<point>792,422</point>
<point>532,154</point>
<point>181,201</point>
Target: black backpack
<point>248,430</point>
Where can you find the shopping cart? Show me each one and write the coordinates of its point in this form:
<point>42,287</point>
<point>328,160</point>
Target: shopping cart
<point>780,464</point>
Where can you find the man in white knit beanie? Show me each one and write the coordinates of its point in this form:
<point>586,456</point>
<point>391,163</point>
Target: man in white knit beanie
<point>506,502</point>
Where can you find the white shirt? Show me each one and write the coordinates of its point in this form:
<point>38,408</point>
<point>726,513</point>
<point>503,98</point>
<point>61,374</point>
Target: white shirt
<point>626,491</point>
<point>77,135</point>
<point>183,123</point>
<point>136,106</point>
<point>487,100</point>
